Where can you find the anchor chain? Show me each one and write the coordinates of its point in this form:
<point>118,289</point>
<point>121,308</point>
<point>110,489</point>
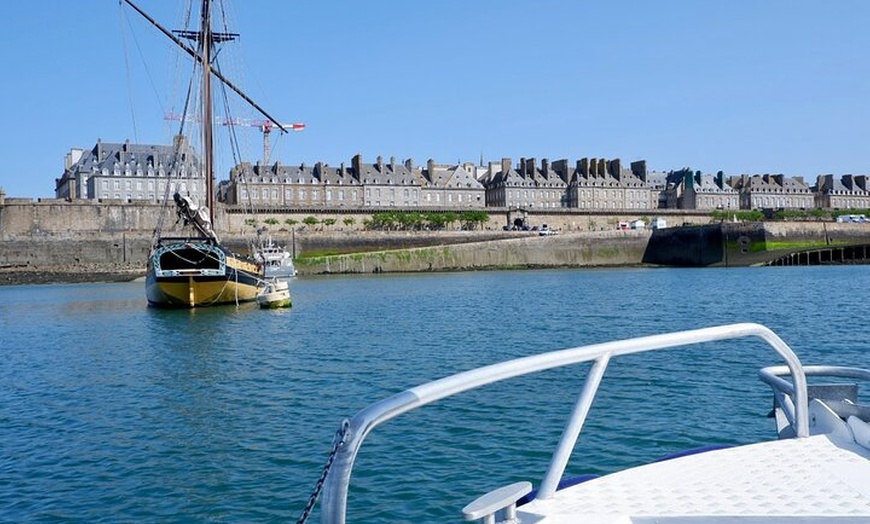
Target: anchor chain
<point>337,441</point>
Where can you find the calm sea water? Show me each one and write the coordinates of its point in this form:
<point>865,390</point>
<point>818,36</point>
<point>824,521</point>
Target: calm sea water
<point>114,412</point>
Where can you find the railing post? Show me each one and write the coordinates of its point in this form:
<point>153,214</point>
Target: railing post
<point>572,430</point>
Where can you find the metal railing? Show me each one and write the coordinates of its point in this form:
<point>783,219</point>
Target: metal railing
<point>784,391</point>
<point>337,483</point>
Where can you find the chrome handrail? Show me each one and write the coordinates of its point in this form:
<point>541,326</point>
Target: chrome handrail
<point>783,390</point>
<point>337,483</point>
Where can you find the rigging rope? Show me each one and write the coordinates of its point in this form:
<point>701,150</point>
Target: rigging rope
<point>127,70</point>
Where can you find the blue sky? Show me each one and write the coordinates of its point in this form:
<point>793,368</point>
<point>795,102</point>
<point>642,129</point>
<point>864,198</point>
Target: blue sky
<point>776,86</point>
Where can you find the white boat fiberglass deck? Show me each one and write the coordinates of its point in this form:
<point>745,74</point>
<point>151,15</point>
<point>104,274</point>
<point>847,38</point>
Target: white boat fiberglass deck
<point>814,479</point>
<point>821,474</point>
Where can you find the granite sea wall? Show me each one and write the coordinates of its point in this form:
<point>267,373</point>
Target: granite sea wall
<point>50,241</point>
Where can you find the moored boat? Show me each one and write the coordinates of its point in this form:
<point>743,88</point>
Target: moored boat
<point>197,269</point>
<point>275,296</point>
<point>277,261</point>
<point>817,470</point>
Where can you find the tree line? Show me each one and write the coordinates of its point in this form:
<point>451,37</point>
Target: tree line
<point>395,221</point>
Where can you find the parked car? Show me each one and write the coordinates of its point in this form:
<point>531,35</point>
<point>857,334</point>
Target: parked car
<point>852,218</point>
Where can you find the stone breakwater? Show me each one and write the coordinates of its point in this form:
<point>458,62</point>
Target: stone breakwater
<point>122,256</point>
<point>112,257</point>
<point>16,274</point>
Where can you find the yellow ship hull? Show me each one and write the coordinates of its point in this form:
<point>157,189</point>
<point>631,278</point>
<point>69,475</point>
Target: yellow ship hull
<point>198,274</point>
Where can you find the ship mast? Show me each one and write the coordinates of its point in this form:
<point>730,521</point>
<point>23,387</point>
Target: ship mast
<point>207,138</point>
<point>206,38</point>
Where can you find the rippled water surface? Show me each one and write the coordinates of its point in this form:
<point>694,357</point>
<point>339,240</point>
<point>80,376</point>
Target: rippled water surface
<point>111,411</point>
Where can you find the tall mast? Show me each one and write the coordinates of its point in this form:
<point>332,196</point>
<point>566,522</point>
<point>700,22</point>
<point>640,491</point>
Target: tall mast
<point>207,139</point>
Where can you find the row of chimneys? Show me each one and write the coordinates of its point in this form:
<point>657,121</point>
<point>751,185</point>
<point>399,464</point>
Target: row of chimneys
<point>594,167</point>
<point>588,167</point>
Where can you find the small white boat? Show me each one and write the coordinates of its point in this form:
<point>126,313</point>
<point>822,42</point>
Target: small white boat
<point>276,295</point>
<point>277,262</point>
<point>818,470</point>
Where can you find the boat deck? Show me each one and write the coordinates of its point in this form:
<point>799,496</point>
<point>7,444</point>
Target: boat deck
<point>812,479</point>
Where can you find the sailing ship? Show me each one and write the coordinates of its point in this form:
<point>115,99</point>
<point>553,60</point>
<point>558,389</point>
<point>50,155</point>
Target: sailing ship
<point>197,269</point>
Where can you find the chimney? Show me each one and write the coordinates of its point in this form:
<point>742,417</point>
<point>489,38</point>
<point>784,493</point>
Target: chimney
<point>615,168</point>
<point>343,170</point>
<point>430,169</point>
<point>638,169</point>
<point>356,165</point>
<point>393,163</point>
<point>531,163</point>
<point>380,164</point>
<point>505,165</point>
<point>409,164</point>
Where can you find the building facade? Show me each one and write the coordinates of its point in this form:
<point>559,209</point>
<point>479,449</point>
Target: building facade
<point>847,192</point>
<point>131,172</point>
<point>141,172</point>
<point>451,186</point>
<point>773,192</point>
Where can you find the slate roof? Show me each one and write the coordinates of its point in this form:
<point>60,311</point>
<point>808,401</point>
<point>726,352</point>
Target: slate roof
<point>106,156</point>
<point>510,178</point>
<point>386,174</point>
<point>451,177</point>
<point>336,176</point>
<point>708,185</point>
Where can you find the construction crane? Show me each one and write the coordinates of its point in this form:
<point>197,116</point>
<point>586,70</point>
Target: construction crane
<point>265,126</point>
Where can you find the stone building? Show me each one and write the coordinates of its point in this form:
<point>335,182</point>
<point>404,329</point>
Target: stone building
<point>773,192</point>
<point>602,185</point>
<point>705,191</point>
<point>507,187</point>
<point>276,185</point>
<point>454,186</point>
<point>340,187</point>
<point>549,189</point>
<point>847,192</point>
<point>131,172</point>
<point>387,185</point>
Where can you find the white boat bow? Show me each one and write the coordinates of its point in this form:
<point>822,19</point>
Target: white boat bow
<point>821,475</point>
